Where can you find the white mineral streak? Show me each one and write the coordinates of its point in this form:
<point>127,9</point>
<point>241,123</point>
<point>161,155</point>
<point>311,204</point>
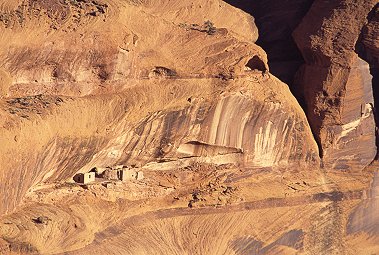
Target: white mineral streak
<point>351,126</point>
<point>265,150</point>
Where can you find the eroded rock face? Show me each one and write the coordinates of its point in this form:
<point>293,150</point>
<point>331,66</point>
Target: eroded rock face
<point>370,37</point>
<point>251,123</point>
<point>368,47</point>
<point>229,125</point>
<point>180,92</point>
<point>92,87</point>
<point>86,54</point>
<point>276,21</point>
<point>337,84</point>
<point>353,142</point>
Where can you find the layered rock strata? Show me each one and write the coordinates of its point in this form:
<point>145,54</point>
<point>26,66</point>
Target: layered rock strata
<point>92,87</point>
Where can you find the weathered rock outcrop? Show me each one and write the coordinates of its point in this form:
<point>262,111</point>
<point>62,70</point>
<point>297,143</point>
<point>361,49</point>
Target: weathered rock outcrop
<point>276,20</point>
<point>87,53</point>
<point>265,127</point>
<point>180,92</point>
<point>336,83</point>
<point>368,47</point>
<point>99,89</point>
<point>370,37</point>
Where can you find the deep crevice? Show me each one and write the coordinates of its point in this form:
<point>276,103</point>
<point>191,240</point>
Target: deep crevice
<point>373,61</point>
<point>276,20</point>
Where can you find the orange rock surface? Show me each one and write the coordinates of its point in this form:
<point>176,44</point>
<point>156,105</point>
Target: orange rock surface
<point>182,92</point>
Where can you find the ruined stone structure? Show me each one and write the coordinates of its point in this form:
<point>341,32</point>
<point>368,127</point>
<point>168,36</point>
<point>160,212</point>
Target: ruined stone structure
<point>110,174</point>
<point>85,178</point>
<point>127,174</point>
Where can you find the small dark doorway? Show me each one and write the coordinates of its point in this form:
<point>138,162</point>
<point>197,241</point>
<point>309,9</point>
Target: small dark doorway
<point>256,64</point>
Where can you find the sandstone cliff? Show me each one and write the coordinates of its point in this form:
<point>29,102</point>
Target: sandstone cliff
<point>139,94</point>
<point>336,82</point>
<point>192,94</point>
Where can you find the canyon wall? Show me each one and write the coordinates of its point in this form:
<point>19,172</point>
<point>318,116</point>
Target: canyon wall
<point>336,82</point>
<point>325,51</point>
<point>194,96</point>
<point>100,90</point>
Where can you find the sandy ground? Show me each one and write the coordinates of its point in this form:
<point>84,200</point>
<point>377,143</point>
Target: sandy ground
<point>261,211</point>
